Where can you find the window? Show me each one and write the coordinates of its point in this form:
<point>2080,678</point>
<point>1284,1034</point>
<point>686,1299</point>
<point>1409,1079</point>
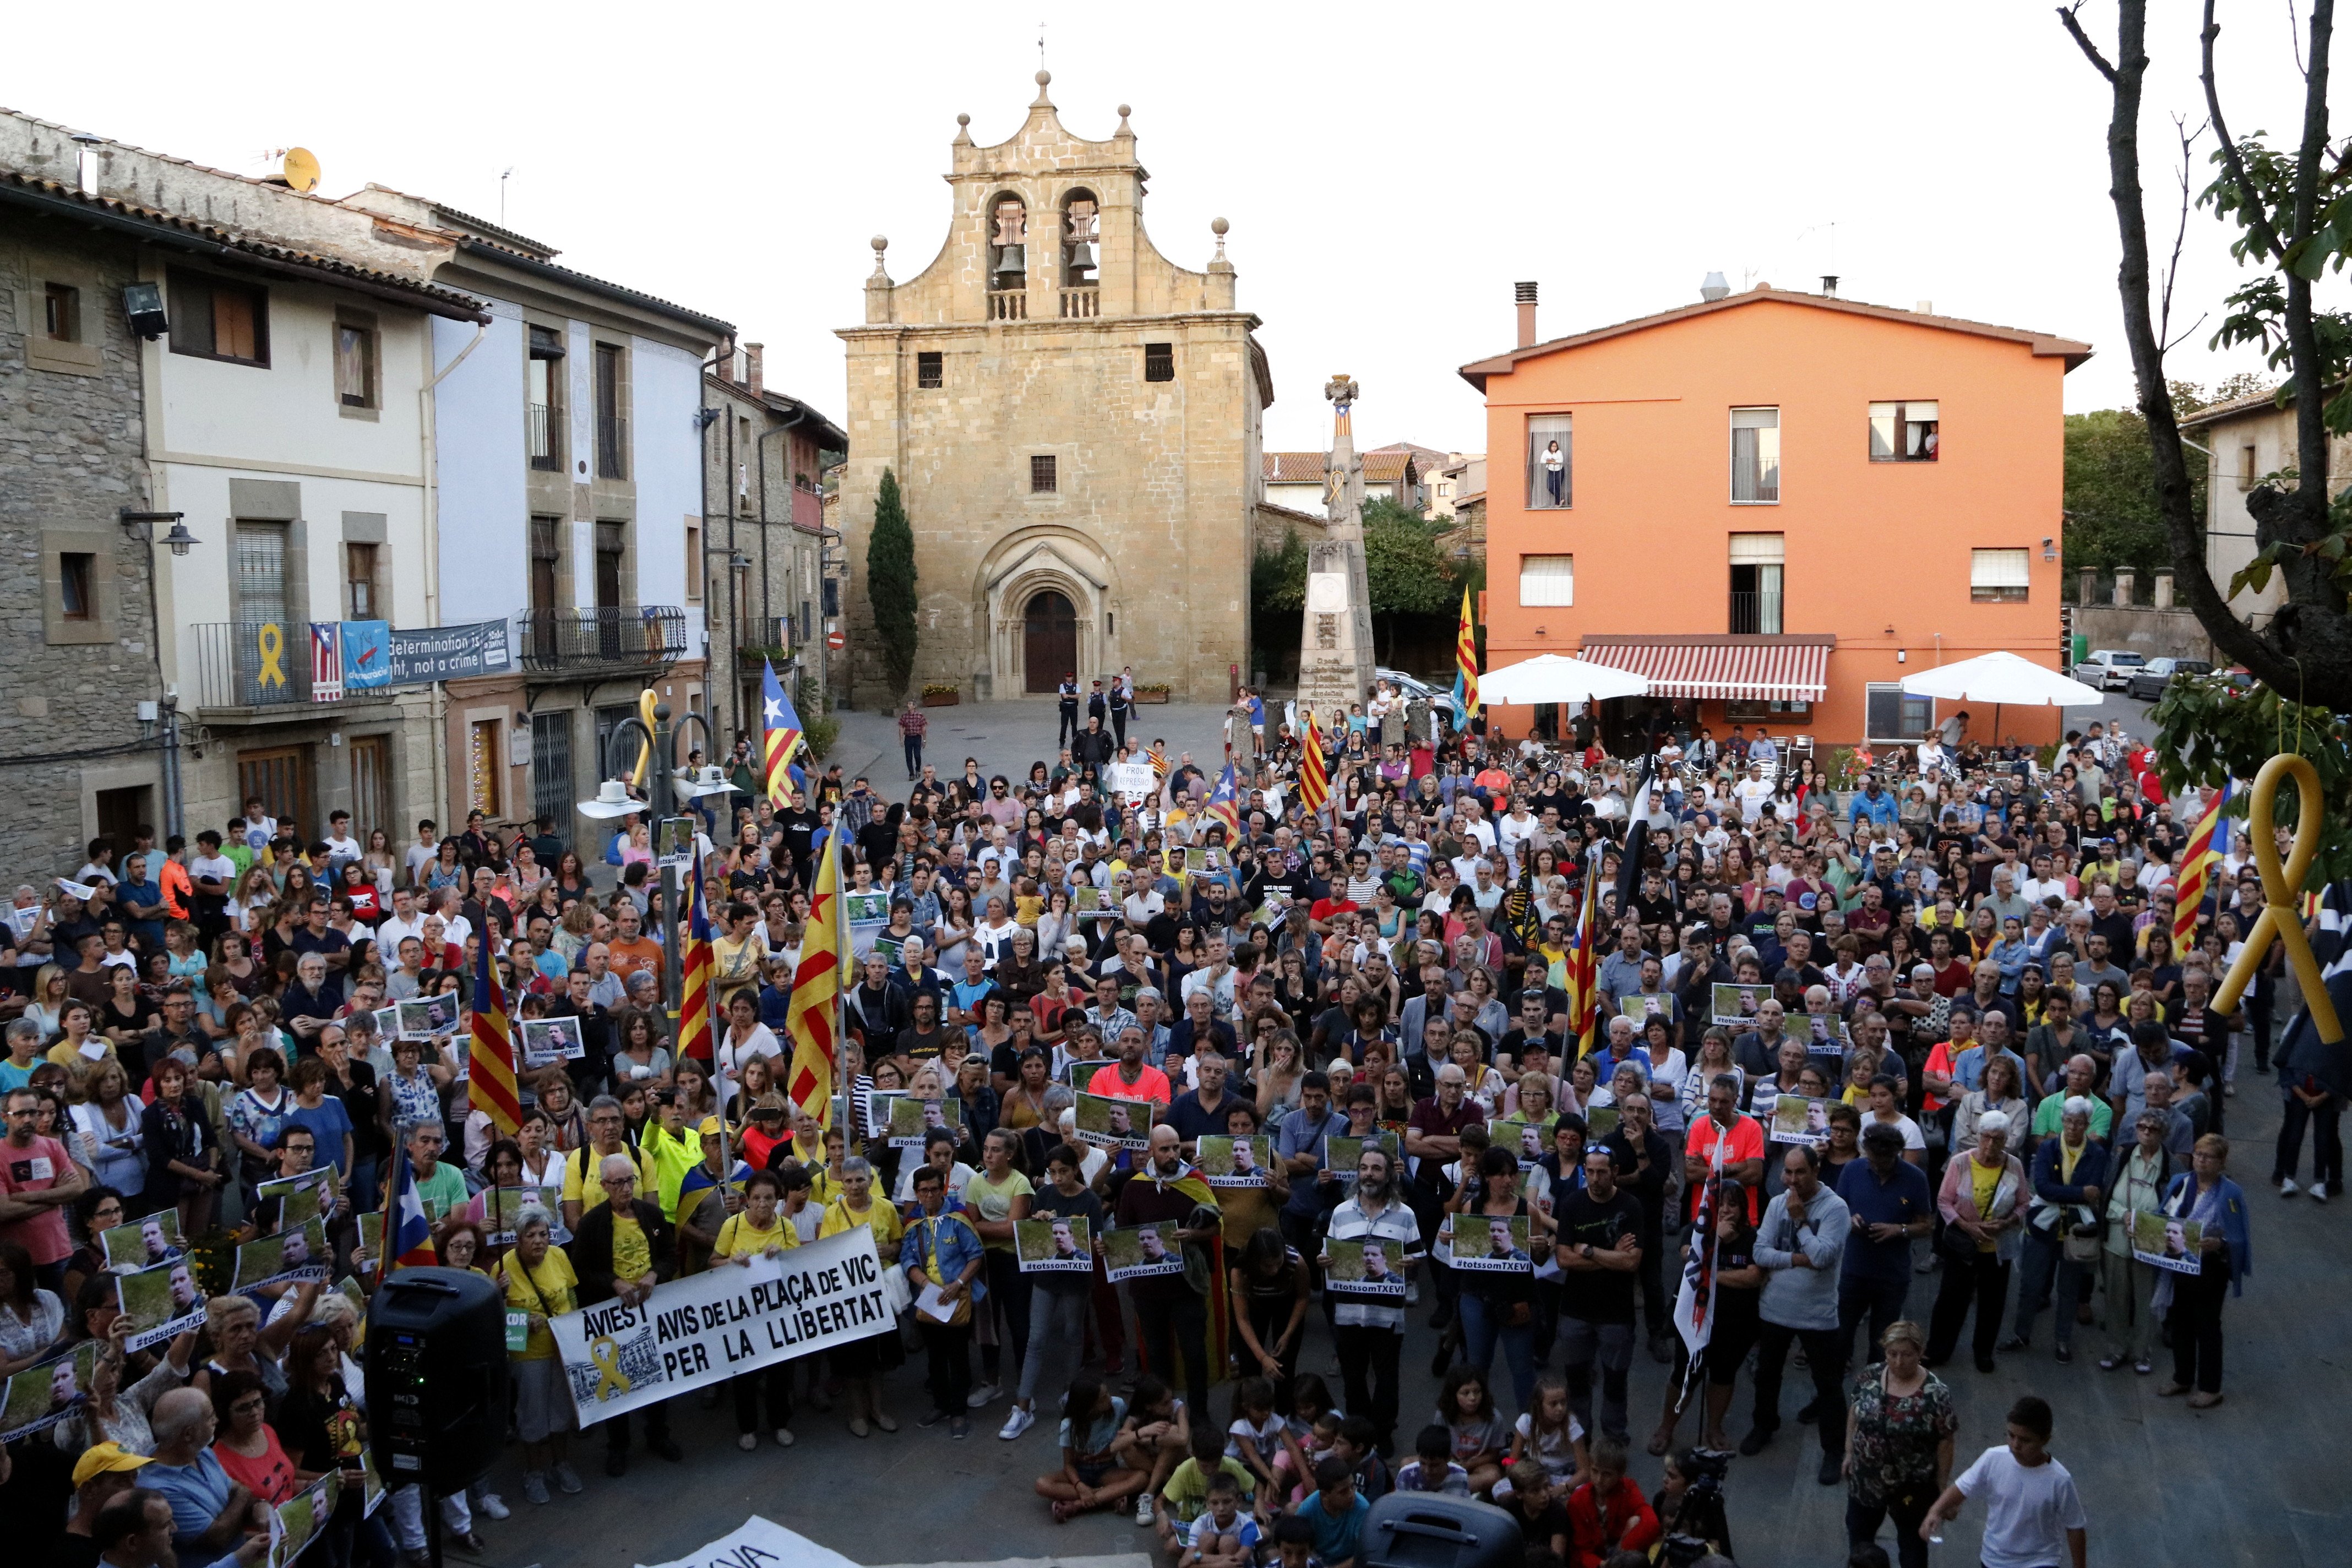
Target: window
<point>214,318</point>
<point>61,308</point>
<point>355,365</point>
<point>2000,576</point>
<point>1546,580</point>
<point>1740,707</point>
<point>77,594</point>
<point>612,555</point>
<point>364,591</point>
<point>1042,478</point>
<point>1890,713</point>
<point>1756,563</point>
<point>1159,361</point>
<point>931,370</point>
<point>544,416</point>
<point>1903,433</point>
<point>694,566</point>
<point>612,430</point>
<point>1755,457</point>
<point>2246,468</point>
<point>1551,484</point>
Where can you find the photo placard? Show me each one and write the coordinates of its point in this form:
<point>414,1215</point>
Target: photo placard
<point>1369,1269</point>
<point>427,1018</point>
<point>1235,1161</point>
<point>1055,1245</point>
<point>1135,1252</point>
<point>2163,1242</point>
<point>290,1255</point>
<point>143,1242</point>
<point>160,1303</point>
<point>1492,1244</point>
<point>1737,1004</point>
<point>47,1392</point>
<point>1108,1124</point>
<point>912,1119</point>
<point>1341,1151</point>
<point>547,1041</point>
<point>1797,1120</point>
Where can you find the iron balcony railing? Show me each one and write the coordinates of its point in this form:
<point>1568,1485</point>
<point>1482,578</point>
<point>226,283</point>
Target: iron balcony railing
<point>1756,612</point>
<point>540,432</point>
<point>606,636</point>
<point>766,635</point>
<point>612,447</point>
<point>265,665</point>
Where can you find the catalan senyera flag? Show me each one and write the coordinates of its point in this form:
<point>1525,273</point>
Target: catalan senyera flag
<point>780,734</point>
<point>1314,773</point>
<point>490,1053</point>
<point>816,991</point>
<point>1465,661</point>
<point>1582,982</point>
<point>2207,844</point>
<point>693,980</point>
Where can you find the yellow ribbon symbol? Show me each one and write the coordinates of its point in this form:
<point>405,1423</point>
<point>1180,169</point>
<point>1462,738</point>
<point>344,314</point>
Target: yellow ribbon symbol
<point>2282,917</point>
<point>644,758</point>
<point>607,1357</point>
<point>272,643</point>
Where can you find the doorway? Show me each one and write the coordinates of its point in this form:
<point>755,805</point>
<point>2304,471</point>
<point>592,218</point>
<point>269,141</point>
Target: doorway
<point>121,813</point>
<point>1050,640</point>
<point>282,777</point>
<point>372,786</point>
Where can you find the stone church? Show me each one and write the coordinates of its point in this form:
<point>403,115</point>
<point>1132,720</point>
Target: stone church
<point>1076,422</point>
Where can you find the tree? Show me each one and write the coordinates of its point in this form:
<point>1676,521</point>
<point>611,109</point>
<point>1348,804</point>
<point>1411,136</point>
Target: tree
<point>2293,211</point>
<point>1278,577</point>
<point>2112,516</point>
<point>890,586</point>
<point>1407,574</point>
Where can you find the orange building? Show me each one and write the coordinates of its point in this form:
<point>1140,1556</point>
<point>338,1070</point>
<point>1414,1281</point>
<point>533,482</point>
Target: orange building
<point>1777,504</point>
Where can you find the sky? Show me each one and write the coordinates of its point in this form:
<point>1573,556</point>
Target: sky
<point>1389,171</point>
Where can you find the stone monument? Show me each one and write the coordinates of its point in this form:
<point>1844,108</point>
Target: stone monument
<point>1335,649</point>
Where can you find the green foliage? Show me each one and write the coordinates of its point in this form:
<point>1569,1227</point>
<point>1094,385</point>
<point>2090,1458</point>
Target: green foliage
<point>2206,732</point>
<point>819,728</point>
<point>1278,577</point>
<point>1409,575</point>
<point>890,585</point>
<point>2112,516</point>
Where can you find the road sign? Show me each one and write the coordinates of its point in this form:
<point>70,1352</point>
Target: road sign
<point>835,640</point>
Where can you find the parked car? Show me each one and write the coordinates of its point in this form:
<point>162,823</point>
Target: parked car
<point>2109,668</point>
<point>2147,683</point>
<point>1414,687</point>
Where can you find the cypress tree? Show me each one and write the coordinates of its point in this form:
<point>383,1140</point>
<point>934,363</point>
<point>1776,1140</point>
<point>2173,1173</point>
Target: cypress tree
<point>890,585</point>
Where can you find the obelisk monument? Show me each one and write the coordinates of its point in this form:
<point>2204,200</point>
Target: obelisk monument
<point>1335,649</point>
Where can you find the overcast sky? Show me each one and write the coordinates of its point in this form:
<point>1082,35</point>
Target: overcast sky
<point>1388,171</point>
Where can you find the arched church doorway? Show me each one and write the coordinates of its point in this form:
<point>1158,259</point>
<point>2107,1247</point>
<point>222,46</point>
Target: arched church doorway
<point>1050,640</point>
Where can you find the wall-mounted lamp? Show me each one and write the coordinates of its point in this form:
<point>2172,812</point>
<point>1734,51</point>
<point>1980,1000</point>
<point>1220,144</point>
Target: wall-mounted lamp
<point>2050,550</point>
<point>144,303</point>
<point>1902,655</point>
<point>179,538</point>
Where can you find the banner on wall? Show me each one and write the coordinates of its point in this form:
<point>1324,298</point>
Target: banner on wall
<point>449,653</point>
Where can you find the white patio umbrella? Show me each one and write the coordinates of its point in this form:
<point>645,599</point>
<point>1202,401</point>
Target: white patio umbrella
<point>1554,678</point>
<point>2003,678</point>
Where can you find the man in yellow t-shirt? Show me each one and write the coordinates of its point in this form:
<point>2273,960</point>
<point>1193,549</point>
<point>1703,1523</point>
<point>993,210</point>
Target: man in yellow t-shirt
<point>582,1189</point>
<point>622,1249</point>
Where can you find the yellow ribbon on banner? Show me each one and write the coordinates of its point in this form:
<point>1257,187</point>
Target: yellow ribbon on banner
<point>2282,917</point>
<point>607,1357</point>
<point>271,641</point>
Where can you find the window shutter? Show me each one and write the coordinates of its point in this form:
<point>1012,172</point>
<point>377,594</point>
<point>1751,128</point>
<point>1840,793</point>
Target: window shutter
<point>1999,569</point>
<point>1546,580</point>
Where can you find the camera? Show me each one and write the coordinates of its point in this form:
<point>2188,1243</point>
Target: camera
<point>1699,1526</point>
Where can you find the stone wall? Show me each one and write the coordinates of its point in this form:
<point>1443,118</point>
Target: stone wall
<point>72,441</point>
<point>2153,633</point>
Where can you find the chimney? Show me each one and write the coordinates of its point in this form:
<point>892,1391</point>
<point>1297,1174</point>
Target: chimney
<point>752,355</point>
<point>1714,288</point>
<point>1829,285</point>
<point>1525,294</point>
<point>1924,307</point>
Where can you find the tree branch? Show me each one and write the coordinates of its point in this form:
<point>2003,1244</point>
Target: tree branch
<point>2255,215</point>
<point>2179,233</point>
<point>2090,50</point>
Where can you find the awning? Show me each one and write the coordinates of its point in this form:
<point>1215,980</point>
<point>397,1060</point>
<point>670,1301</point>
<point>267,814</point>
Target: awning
<point>1759,668</point>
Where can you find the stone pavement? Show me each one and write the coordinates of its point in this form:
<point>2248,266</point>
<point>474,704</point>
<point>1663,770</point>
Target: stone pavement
<point>2256,1482</point>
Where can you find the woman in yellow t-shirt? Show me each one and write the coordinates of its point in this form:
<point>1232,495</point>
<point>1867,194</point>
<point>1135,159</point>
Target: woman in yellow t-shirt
<point>860,1361</point>
<point>538,1281</point>
<point>759,1231</point>
<point>995,1200</point>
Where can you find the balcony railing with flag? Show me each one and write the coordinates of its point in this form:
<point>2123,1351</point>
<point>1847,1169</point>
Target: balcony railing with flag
<point>265,664</point>
<point>768,635</point>
<point>612,637</point>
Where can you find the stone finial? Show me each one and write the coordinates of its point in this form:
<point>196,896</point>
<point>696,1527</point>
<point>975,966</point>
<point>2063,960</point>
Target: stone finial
<point>1219,227</point>
<point>880,244</point>
<point>1124,129</point>
<point>1045,78</point>
<point>963,131</point>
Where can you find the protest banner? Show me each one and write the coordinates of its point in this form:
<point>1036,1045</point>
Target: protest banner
<point>1132,1252</point>
<point>701,1331</point>
<point>1111,1123</point>
<point>143,1243</point>
<point>299,1254</point>
<point>1235,1161</point>
<point>761,1544</point>
<point>160,1303</point>
<point>44,1395</point>
<point>2163,1242</point>
<point>1797,1120</point>
<point>1368,1270</point>
<point>1062,1244</point>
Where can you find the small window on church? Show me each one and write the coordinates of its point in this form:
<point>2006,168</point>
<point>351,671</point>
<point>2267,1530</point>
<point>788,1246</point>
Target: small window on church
<point>1159,361</point>
<point>931,370</point>
<point>1041,475</point>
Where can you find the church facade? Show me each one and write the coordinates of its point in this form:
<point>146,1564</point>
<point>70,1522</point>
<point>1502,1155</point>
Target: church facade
<point>1076,425</point>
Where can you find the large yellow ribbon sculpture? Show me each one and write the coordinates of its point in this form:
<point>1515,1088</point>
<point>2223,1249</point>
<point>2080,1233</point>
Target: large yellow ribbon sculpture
<point>2282,917</point>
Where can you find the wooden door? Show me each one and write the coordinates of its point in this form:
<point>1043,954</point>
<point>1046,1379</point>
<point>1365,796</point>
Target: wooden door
<point>1050,640</point>
<point>371,787</point>
<point>282,777</point>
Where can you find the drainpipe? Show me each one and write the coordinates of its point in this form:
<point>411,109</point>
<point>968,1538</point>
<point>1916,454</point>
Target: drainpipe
<point>428,430</point>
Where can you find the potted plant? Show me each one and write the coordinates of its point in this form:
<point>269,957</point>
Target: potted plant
<point>938,696</point>
<point>1155,693</point>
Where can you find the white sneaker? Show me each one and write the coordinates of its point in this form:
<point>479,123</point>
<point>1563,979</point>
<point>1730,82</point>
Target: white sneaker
<point>2319,1192</point>
<point>1143,1507</point>
<point>1015,1424</point>
<point>2287,1188</point>
<point>492,1506</point>
<point>784,1438</point>
<point>982,1397</point>
<point>747,1441</point>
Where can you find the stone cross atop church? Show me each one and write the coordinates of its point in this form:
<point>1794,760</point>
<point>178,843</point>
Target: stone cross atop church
<point>1335,652</point>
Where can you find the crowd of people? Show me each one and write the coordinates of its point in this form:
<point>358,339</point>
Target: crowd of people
<point>1921,1055</point>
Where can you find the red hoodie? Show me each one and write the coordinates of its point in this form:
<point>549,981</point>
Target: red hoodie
<point>1632,1524</point>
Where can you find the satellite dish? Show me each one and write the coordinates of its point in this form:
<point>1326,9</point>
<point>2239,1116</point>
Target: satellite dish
<point>299,169</point>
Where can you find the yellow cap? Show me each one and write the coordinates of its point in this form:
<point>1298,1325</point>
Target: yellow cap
<point>711,1127</point>
<point>105,1457</point>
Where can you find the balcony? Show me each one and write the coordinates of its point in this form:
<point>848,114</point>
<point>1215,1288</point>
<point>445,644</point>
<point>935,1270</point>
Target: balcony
<point>612,443</point>
<point>1081,304</point>
<point>1008,305</point>
<point>607,637</point>
<point>262,669</point>
<point>539,435</point>
<point>1755,613</point>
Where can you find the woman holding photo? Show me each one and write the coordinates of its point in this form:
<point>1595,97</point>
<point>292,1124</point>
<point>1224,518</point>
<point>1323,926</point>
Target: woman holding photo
<point>2191,1303</point>
<point>107,1138</point>
<point>1983,1205</point>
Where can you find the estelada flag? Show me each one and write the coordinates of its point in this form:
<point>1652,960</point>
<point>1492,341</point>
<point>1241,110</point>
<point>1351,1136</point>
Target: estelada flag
<point>693,980</point>
<point>491,1056</point>
<point>816,989</point>
<point>780,733</point>
<point>1583,980</point>
<point>407,1233</point>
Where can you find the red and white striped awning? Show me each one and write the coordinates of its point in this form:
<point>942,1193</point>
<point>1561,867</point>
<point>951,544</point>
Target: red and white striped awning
<point>1759,669</point>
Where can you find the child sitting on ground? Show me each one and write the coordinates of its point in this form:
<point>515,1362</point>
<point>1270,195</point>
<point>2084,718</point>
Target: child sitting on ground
<point>1433,1468</point>
<point>1186,1496</point>
<point>1224,1536</point>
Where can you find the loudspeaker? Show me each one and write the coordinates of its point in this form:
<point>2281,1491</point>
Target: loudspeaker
<point>437,1377</point>
<point>1432,1530</point>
